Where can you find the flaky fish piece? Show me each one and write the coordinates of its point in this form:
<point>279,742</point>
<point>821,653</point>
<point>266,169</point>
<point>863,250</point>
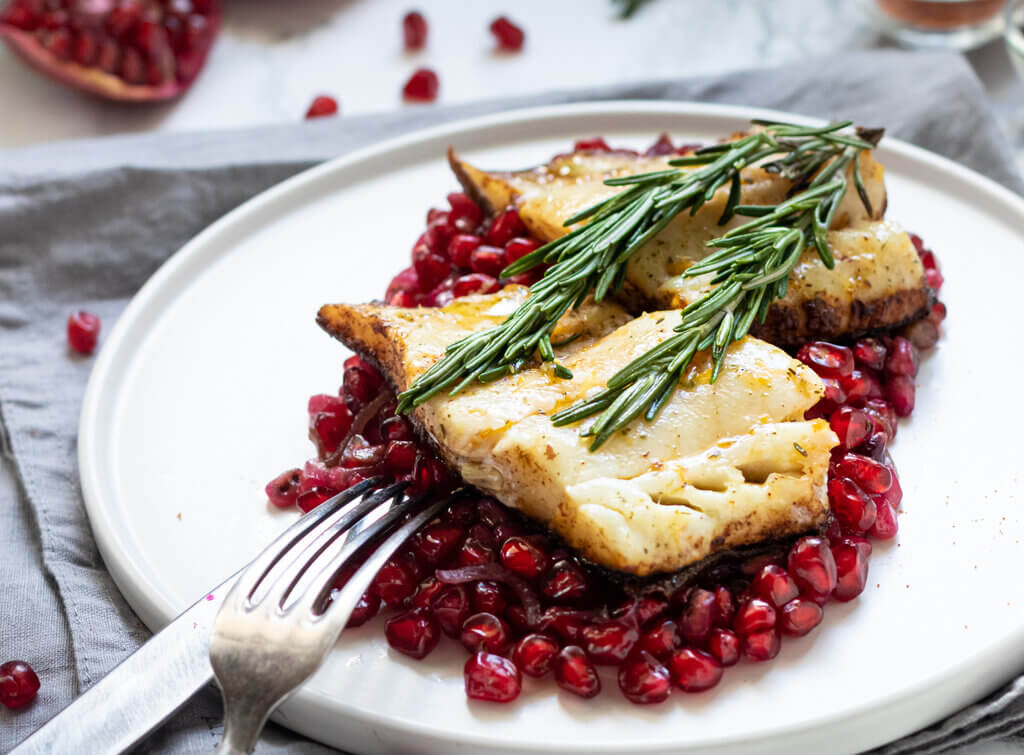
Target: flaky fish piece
<point>878,281</point>
<point>725,464</point>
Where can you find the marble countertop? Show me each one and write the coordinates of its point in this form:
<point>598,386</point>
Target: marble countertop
<point>273,58</point>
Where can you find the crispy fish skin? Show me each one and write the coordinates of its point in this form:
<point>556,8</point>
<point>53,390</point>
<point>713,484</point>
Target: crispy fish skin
<point>724,465</point>
<point>878,282</point>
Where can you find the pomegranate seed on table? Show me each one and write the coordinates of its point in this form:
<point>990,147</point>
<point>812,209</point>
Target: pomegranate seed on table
<point>812,566</point>
<point>800,616</point>
<point>510,36</point>
<point>851,555</point>
<point>724,646</point>
<point>923,334</point>
<point>414,633</point>
<point>366,608</point>
<point>18,684</point>
<point>827,359</point>
<point>696,617</point>
<point>900,391</point>
<point>575,673</point>
<point>283,490</point>
<point>486,632</point>
<point>762,646</point>
<point>322,105</point>
<point>661,639</point>
<point>886,525</point>
<point>414,30</point>
<point>902,359</point>
<point>643,680</point>
<point>535,654</point>
<point>422,86</point>
<point>774,586</point>
<point>83,332</point>
<point>609,644</point>
<point>694,671</point>
<point>492,678</point>
<point>872,476</point>
<point>937,313</point>
<point>854,509</point>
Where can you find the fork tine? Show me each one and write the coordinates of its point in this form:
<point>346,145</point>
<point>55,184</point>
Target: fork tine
<point>287,540</point>
<point>284,580</point>
<point>332,560</point>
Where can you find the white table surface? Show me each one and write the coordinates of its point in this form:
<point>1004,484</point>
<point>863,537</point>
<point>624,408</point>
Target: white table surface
<point>273,57</point>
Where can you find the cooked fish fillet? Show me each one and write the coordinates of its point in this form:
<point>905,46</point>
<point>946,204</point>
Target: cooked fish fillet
<point>723,465</point>
<point>878,281</point>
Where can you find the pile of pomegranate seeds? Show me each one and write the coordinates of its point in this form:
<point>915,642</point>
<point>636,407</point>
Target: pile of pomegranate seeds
<point>524,605</point>
<point>83,332</point>
<point>321,106</point>
<point>18,684</point>
<point>141,50</point>
<point>422,86</point>
<point>414,31</point>
<point>509,36</point>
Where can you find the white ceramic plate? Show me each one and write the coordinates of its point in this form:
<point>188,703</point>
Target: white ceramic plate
<point>198,398</point>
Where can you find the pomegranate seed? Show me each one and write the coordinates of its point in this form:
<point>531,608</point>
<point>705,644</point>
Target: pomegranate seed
<point>886,525</point>
<point>870,475</point>
<point>83,332</point>
<point>643,680</point>
<point>439,234</point>
<point>425,592</point>
<point>519,247</point>
<point>484,530</point>
<point>506,226</point>
<point>724,646</point>
<point>475,283</point>
<point>762,646</point>
<point>366,608</point>
<point>928,260</point>
<point>566,623</point>
<point>393,583</point>
<point>407,280</point>
<point>322,105</point>
<point>774,586</point>
<point>694,671</point>
<point>870,352</point>
<point>535,654</point>
<point>852,426</point>
<point>18,684</point>
<point>755,615</point>
<point>489,260</point>
<point>451,607</point>
<point>438,540</point>
<point>798,617</point>
<point>283,490</point>
<point>361,453</point>
<point>917,242</point>
<point>648,607</point>
<point>431,268</point>
<point>902,359</point>
<point>661,147</point>
<point>85,49</point>
<point>725,608</point>
<point>608,644</point>
<point>492,678</point>
<point>575,673</point>
<point>489,597</point>
<point>486,632</point>
<point>414,30</point>
<point>851,555</point>
<point>510,37</point>
<point>882,416</point>
<point>475,552</point>
<point>923,334</point>
<point>934,279</point>
<point>565,582</point>
<point>523,558</point>
<point>414,632</point>
<point>937,313</point>
<point>396,428</point>
<point>874,447</point>
<point>400,456</point>
<point>596,144</point>
<point>661,639</point>
<point>900,390</point>
<point>695,620</point>
<point>461,248</point>
<point>834,392</point>
<point>812,566</point>
<point>827,359</point>
<point>466,214</point>
<point>362,383</point>
<point>859,385</point>
<point>853,508</point>
<point>310,499</point>
<point>328,430</point>
<point>421,86</point>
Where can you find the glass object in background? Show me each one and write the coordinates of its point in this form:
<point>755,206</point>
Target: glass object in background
<point>943,24</point>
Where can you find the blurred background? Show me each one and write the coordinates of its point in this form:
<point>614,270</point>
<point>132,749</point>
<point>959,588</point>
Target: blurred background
<point>271,59</point>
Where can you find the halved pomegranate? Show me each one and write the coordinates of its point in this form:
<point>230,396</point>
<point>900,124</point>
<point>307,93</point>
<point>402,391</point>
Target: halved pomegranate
<point>129,50</point>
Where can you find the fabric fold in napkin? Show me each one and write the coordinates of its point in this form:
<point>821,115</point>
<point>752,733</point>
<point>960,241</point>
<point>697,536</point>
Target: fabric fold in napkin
<point>84,224</point>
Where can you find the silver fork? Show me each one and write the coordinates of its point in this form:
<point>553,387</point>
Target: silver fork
<point>276,626</point>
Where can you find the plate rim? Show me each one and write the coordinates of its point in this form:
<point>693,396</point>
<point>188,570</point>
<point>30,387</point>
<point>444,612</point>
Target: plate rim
<point>156,610</point>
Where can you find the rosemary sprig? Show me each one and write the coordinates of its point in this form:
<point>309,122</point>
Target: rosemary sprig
<point>750,266</point>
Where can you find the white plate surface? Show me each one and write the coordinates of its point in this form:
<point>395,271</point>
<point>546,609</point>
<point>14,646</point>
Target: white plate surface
<point>198,398</point>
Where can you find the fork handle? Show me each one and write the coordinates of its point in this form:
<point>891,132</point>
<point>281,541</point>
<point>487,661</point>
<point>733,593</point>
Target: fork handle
<point>242,726</point>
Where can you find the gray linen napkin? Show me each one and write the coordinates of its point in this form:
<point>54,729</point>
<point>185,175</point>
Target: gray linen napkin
<point>84,224</point>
